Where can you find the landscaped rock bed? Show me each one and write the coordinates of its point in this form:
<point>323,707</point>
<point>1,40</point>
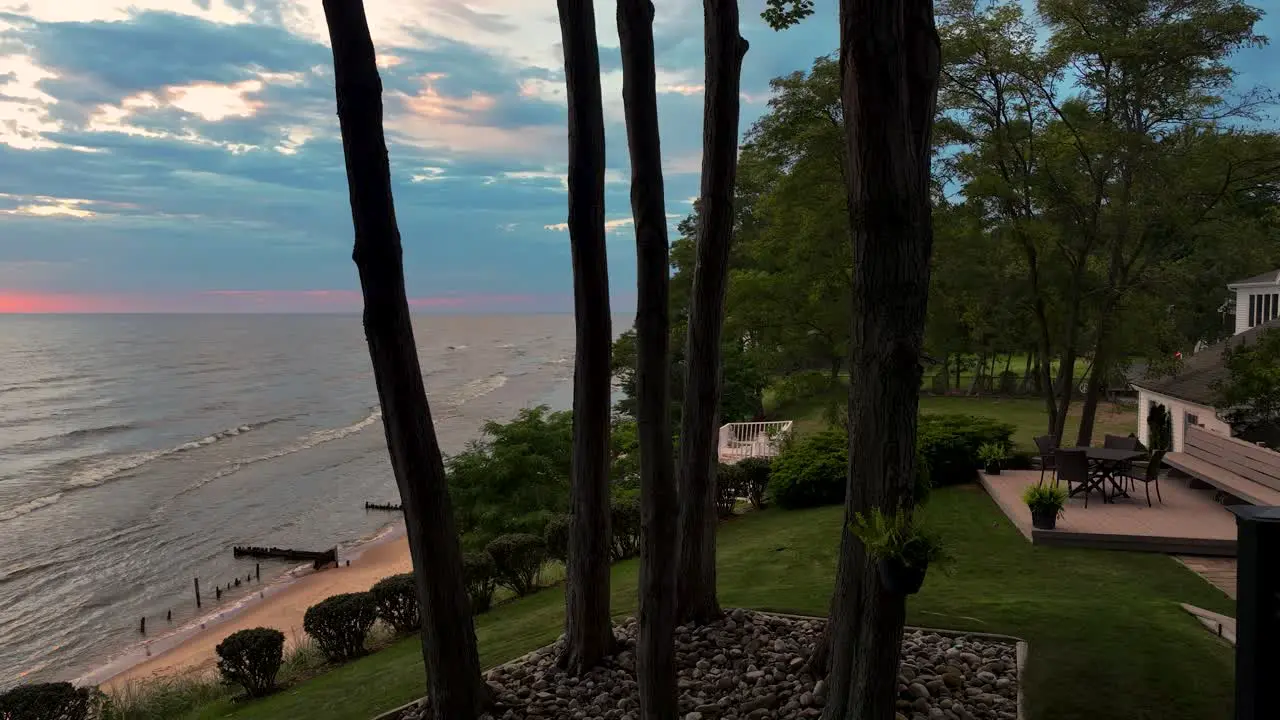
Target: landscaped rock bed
<point>749,665</point>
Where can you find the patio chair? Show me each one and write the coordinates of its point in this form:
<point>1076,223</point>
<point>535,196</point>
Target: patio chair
<point>1120,442</point>
<point>1148,475</point>
<point>1046,446</point>
<point>1073,467</point>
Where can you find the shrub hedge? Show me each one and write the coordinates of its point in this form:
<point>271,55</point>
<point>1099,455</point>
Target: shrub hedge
<point>49,701</point>
<point>556,537</point>
<point>251,659</point>
<point>728,486</point>
<point>754,479</point>
<point>624,520</point>
<point>340,623</point>
<point>478,575</point>
<point>517,558</point>
<point>395,600</point>
<point>811,471</point>
<point>950,444</point>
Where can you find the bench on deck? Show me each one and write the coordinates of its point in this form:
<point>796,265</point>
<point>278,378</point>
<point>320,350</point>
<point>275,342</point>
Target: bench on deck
<point>1240,469</point>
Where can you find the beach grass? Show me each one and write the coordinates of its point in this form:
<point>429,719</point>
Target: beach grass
<point>1107,637</point>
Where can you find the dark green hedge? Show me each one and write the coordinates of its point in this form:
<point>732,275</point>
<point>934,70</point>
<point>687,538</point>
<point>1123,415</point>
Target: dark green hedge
<point>340,623</point>
<point>478,574</point>
<point>950,444</point>
<point>811,471</point>
<point>517,558</point>
<point>754,479</point>
<point>624,520</point>
<point>251,659</point>
<point>49,701</point>
<point>395,600</point>
<point>556,537</point>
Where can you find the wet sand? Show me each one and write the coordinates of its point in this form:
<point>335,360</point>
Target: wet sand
<point>282,610</point>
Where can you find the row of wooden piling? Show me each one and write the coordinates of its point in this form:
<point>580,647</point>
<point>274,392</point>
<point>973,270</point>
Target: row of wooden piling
<point>218,590</point>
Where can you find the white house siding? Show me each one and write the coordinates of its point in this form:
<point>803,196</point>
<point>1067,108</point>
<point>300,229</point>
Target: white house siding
<point>1242,304</point>
<point>1178,411</point>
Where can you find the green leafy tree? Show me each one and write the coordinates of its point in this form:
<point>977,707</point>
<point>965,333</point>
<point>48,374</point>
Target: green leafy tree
<point>1251,391</point>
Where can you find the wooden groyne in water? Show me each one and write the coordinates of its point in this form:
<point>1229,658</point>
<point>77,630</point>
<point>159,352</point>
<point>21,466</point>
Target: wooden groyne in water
<point>319,559</point>
<point>383,506</point>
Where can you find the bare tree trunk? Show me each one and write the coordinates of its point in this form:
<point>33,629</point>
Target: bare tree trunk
<point>454,685</point>
<point>655,651</point>
<point>1097,379</point>
<point>696,568</point>
<point>588,629</point>
<point>890,58</point>
<point>1026,372</point>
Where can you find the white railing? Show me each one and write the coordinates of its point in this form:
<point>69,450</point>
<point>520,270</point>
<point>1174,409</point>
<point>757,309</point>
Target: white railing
<point>752,439</point>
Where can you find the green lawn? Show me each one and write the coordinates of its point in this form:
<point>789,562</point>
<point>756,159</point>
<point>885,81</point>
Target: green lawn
<point>1108,639</point>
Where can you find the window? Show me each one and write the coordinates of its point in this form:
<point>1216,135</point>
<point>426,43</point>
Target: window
<point>1253,307</point>
<point>1275,305</point>
<point>1193,419</point>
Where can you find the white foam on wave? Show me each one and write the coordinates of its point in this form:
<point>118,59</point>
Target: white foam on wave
<point>30,506</point>
<point>105,469</point>
<point>477,388</point>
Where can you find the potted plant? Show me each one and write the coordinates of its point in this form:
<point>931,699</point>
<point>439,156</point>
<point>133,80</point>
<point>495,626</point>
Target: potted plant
<point>991,454</point>
<point>1046,503</point>
<point>902,549</point>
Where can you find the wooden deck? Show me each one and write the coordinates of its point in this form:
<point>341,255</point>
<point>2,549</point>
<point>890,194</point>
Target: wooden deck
<point>1188,522</point>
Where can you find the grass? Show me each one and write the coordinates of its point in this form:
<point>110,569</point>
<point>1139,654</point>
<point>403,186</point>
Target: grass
<point>1108,639</point>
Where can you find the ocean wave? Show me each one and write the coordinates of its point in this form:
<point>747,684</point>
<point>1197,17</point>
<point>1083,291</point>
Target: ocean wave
<point>477,388</point>
<point>29,506</point>
<point>100,471</point>
<point>41,444</point>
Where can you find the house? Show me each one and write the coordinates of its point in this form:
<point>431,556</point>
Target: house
<point>1188,396</point>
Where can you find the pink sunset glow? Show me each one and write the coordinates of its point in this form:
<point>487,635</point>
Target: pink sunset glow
<point>259,301</point>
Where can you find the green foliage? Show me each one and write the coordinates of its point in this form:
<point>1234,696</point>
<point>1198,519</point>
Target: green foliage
<point>49,701</point>
<point>754,480</point>
<point>728,486</point>
<point>897,537</point>
<point>624,522</point>
<point>951,444</point>
<point>990,452</point>
<point>517,560</point>
<point>339,624</point>
<point>1159,427</point>
<point>251,659</point>
<point>811,471</point>
<point>480,577</point>
<point>1251,390</point>
<point>1045,498</point>
<point>782,14</point>
<point>395,599</point>
<point>556,537</point>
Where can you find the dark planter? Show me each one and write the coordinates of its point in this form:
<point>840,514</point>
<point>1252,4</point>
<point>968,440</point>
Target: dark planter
<point>1044,518</point>
<point>993,468</point>
<point>900,578</point>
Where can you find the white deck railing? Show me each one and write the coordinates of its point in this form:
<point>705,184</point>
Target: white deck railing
<point>752,439</point>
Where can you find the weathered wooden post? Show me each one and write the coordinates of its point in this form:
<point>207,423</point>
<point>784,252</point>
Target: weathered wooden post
<point>217,593</point>
<point>257,571</point>
<point>169,616</point>
<point>142,626</point>
<point>1257,611</point>
<point>197,580</point>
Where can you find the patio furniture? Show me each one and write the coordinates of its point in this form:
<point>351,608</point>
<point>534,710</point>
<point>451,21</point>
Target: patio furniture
<point>1046,445</point>
<point>1147,475</point>
<point>1120,442</point>
<point>1073,468</point>
<point>1241,470</point>
<point>1108,466</point>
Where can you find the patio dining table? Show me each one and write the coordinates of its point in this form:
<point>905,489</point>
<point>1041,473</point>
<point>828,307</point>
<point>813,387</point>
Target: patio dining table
<point>1105,464</point>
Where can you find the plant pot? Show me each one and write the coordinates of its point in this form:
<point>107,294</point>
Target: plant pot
<point>1044,518</point>
<point>993,468</point>
<point>900,578</point>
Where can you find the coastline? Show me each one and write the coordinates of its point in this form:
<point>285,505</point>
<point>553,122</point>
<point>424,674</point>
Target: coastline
<point>280,605</point>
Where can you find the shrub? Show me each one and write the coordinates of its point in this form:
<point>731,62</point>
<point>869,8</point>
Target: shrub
<point>556,537</point>
<point>517,558</point>
<point>478,576</point>
<point>754,479</point>
<point>624,520</point>
<point>1045,498</point>
<point>950,444</point>
<point>811,471</point>
<point>728,483</point>
<point>340,623</point>
<point>49,701</point>
<point>251,658</point>
<point>395,600</point>
<point>898,537</point>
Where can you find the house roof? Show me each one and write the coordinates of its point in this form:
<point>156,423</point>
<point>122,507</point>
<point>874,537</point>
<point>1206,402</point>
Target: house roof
<point>1266,278</point>
<point>1198,374</point>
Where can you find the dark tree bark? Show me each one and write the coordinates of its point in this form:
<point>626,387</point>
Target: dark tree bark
<point>655,651</point>
<point>454,685</point>
<point>700,412</point>
<point>890,59</point>
<point>588,629</point>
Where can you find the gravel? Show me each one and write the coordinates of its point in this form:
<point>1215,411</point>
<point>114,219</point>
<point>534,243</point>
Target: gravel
<point>748,665</point>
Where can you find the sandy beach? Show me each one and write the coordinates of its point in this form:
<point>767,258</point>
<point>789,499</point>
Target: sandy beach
<point>282,610</point>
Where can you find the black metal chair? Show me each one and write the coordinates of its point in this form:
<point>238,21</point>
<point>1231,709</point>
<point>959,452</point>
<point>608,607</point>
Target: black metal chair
<point>1120,442</point>
<point>1046,446</point>
<point>1148,475</point>
<point>1073,468</point>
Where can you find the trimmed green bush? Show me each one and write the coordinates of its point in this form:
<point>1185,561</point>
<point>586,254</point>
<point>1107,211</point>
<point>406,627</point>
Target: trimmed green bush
<point>624,523</point>
<point>517,558</point>
<point>49,701</point>
<point>811,471</point>
<point>556,536</point>
<point>951,443</point>
<point>478,576</point>
<point>340,623</point>
<point>395,600</point>
<point>251,658</point>
<point>728,485</point>
<point>754,479</point>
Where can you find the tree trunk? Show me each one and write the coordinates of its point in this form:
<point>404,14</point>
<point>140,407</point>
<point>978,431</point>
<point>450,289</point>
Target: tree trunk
<point>836,364</point>
<point>588,629</point>
<point>980,369</point>
<point>890,58</point>
<point>454,685</point>
<point>696,568</point>
<point>1026,372</point>
<point>655,650</point>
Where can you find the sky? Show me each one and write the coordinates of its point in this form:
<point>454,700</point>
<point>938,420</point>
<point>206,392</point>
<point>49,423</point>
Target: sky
<point>184,155</point>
